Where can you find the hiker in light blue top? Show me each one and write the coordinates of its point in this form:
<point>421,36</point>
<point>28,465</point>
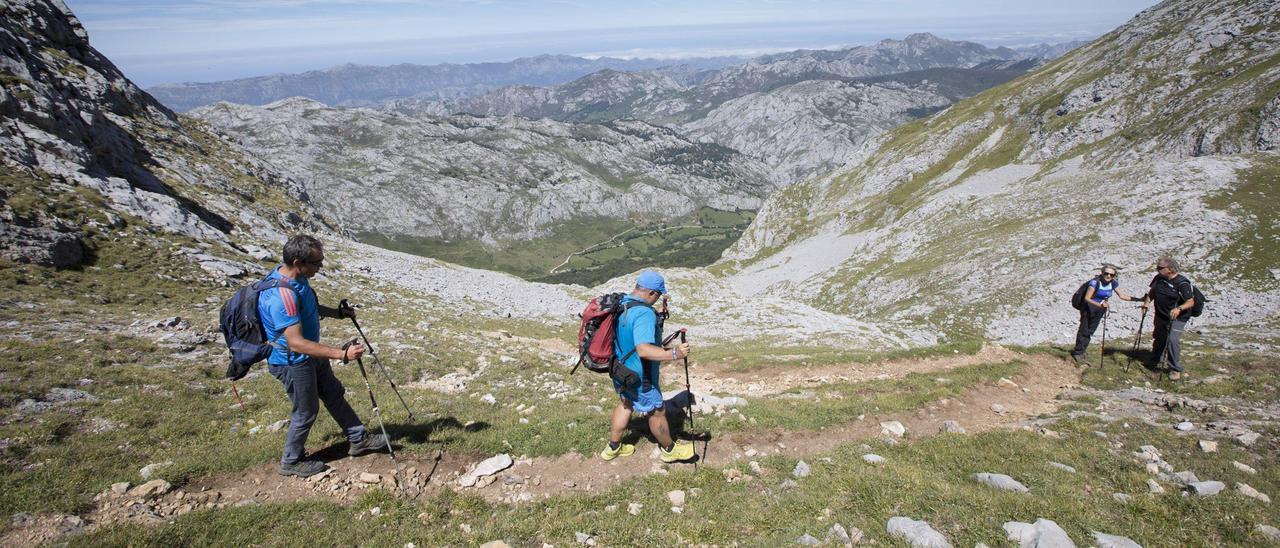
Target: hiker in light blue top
<point>1097,300</point>
<point>638,335</point>
<point>291,319</point>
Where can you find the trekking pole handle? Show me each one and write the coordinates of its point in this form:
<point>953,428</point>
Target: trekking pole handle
<point>347,345</point>
<point>343,305</point>
<point>673,336</point>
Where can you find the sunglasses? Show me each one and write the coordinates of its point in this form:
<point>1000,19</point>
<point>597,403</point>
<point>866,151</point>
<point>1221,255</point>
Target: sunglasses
<point>316,263</point>
<point>1111,274</point>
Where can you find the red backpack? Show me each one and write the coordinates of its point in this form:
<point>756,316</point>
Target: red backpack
<point>599,328</point>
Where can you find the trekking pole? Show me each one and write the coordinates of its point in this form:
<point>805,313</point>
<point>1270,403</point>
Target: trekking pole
<point>237,393</point>
<point>343,304</point>
<point>1102,348</point>
<point>687,388</point>
<point>376,411</point>
<point>1137,341</point>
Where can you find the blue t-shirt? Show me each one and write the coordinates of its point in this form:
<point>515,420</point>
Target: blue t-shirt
<point>638,325</point>
<point>280,308</point>
<point>1101,291</point>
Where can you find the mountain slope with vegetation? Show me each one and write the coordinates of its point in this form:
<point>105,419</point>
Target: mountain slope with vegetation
<point>1159,137</point>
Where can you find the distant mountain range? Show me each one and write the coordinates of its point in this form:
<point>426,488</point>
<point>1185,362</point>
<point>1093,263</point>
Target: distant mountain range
<point>359,85</point>
<point>363,85</point>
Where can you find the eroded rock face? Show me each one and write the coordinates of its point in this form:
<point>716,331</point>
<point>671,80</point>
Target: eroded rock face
<point>489,178</point>
<point>73,121</point>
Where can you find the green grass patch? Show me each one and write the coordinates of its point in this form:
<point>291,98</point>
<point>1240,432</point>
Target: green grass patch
<point>595,254</point>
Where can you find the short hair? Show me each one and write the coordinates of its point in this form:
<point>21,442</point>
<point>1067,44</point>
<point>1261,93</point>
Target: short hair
<point>1169,262</point>
<point>300,248</point>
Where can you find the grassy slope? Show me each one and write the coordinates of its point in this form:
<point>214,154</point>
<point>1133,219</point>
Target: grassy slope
<point>710,232</point>
<point>925,479</point>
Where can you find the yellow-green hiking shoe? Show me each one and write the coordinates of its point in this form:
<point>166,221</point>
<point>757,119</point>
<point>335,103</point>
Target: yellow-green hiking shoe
<point>681,451</point>
<point>623,450</point>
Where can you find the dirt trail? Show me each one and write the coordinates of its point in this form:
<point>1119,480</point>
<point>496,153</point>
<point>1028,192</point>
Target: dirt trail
<point>1039,383</point>
<point>718,378</point>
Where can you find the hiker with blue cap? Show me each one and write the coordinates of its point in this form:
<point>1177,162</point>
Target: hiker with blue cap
<point>638,349</point>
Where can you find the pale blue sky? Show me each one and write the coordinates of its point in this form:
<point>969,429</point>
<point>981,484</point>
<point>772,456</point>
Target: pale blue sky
<point>157,41</point>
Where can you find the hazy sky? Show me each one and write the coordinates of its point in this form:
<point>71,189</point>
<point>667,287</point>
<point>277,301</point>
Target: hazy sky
<point>156,41</point>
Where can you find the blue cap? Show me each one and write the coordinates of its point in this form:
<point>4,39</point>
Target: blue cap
<point>652,281</point>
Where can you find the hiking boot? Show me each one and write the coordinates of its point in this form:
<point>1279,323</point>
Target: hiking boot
<point>681,451</point>
<point>302,468</point>
<point>1079,360</point>
<point>623,450</point>
<point>1175,375</point>
<point>371,443</point>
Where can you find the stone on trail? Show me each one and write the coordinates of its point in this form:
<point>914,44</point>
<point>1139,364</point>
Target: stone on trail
<point>1206,488</point>
<point>584,538</point>
<point>152,489</point>
<point>1185,477</point>
<point>1185,426</point>
<point>1243,467</point>
<point>1208,446</point>
<point>998,409</point>
<point>916,533</point>
<point>1044,533</point>
<point>1122,497</point>
<point>1104,540</point>
<point>893,428</point>
<point>120,487</point>
<point>807,540</point>
<point>789,484</point>
<point>634,508</point>
<point>1252,493</point>
<point>1269,532</point>
<point>1154,487</point>
<point>1247,439</point>
<point>952,427</point>
<point>840,536</point>
<point>489,399</point>
<point>1006,383</point>
<point>676,497</point>
<point>1062,467</point>
<point>495,544</point>
<point>150,470</point>
<point>278,425</point>
<point>487,467</point>
<point>369,477</point>
<point>872,458</point>
<point>999,481</point>
<point>802,469</point>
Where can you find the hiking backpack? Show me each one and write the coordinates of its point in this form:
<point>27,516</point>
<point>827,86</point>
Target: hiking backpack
<point>1198,308</point>
<point>599,329</point>
<point>1077,300</point>
<point>242,327</point>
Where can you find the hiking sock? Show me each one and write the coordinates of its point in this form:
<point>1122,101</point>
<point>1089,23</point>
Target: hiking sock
<point>614,445</point>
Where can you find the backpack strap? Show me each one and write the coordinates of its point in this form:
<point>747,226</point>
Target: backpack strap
<point>276,283</point>
<point>644,368</point>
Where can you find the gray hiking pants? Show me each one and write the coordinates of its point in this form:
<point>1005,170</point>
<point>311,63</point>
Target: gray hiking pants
<point>1167,342</point>
<point>308,384</point>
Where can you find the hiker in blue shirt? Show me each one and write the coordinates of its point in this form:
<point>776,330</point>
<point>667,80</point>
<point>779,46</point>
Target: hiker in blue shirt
<point>1097,303</point>
<point>291,319</point>
<point>636,346</point>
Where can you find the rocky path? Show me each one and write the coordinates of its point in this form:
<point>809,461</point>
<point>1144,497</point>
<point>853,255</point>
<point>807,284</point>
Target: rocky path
<point>529,479</point>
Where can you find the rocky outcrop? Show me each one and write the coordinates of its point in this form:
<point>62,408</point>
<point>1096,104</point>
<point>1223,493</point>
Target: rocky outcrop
<point>72,121</point>
<point>812,126</point>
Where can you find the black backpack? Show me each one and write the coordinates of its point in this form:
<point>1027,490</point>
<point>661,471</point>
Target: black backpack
<point>1077,300</point>
<point>242,327</point>
<point>1198,308</point>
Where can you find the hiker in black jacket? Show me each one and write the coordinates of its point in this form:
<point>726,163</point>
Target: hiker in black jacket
<point>1173,296</point>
